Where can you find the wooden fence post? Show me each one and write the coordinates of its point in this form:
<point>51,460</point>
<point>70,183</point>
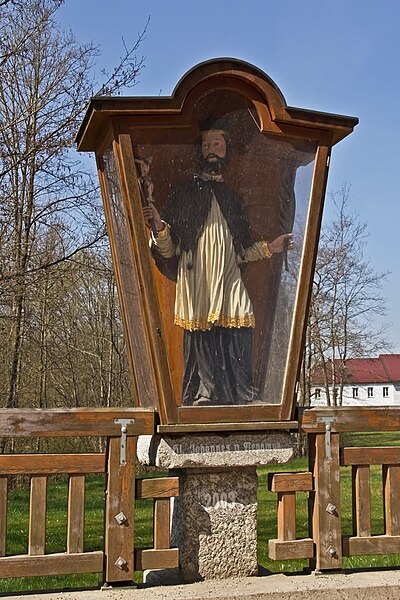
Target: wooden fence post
<point>3,514</point>
<point>120,506</point>
<point>326,517</point>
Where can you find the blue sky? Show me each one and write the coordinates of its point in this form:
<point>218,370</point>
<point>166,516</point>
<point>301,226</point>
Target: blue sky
<point>337,56</point>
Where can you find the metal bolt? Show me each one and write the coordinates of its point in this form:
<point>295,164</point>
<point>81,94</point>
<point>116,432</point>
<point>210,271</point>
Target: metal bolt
<point>331,509</point>
<point>120,518</point>
<point>120,563</point>
<point>331,551</point>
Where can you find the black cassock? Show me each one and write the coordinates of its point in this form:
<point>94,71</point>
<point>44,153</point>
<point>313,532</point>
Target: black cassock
<point>217,362</point>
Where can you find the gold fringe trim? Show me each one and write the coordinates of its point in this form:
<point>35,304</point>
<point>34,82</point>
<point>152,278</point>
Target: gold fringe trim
<point>215,320</point>
<point>267,251</point>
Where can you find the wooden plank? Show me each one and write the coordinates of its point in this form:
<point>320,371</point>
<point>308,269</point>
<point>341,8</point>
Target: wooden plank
<point>162,514</point>
<point>130,286</point>
<point>286,516</point>
<point>361,500</point>
<point>391,495</point>
<point>76,514</point>
<point>156,559</point>
<point>51,564</point>
<point>228,414</point>
<point>160,487</point>
<point>37,516</point>
<point>288,550</point>
<point>3,514</point>
<point>370,456</point>
<point>290,482</point>
<point>327,532</point>
<point>304,285</point>
<point>120,498</point>
<point>153,323</point>
<point>249,426</point>
<point>74,422</point>
<point>45,464</point>
<point>350,418</point>
<point>377,544</point>
<point>312,508</point>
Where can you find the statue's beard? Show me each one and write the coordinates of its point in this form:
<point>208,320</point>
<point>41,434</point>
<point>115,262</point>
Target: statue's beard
<point>213,166</point>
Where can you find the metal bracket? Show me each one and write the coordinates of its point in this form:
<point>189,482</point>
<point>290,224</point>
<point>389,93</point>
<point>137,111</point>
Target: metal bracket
<point>124,428</point>
<point>328,428</point>
<point>120,518</point>
<point>331,509</point>
<point>121,563</point>
<point>331,550</point>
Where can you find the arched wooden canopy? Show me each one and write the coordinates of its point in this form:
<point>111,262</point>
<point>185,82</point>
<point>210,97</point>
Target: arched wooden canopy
<point>223,73</point>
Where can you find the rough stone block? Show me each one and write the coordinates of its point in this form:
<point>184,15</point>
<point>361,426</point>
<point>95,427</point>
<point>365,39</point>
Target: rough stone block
<point>215,451</point>
<point>214,524</point>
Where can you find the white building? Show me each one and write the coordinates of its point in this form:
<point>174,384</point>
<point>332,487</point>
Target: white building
<point>367,382</point>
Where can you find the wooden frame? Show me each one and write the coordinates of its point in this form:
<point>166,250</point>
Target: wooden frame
<point>110,126</point>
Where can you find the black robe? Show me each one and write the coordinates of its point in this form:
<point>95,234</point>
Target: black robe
<point>218,361</point>
<point>186,211</point>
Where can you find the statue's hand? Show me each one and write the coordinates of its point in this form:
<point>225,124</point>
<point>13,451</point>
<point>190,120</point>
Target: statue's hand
<point>278,245</point>
<point>150,212</point>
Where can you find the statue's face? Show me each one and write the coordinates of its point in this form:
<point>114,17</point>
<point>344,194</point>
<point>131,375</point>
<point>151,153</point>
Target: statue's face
<point>213,146</point>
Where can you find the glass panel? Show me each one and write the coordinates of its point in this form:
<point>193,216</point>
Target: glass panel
<point>130,295</point>
<point>230,196</point>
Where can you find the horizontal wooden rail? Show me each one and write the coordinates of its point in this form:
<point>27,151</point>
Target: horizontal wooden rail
<point>48,464</point>
<point>291,549</point>
<point>156,559</point>
<point>290,482</point>
<point>349,418</point>
<point>75,422</point>
<point>51,564</point>
<point>160,487</point>
<point>375,544</point>
<point>370,456</point>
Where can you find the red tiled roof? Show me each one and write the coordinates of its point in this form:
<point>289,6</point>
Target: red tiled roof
<point>385,369</point>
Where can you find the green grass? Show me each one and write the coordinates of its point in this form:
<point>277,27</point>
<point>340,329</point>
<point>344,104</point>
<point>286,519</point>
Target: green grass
<point>18,514</point>
<point>371,438</point>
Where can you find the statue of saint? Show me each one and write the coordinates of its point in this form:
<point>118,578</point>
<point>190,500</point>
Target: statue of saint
<point>204,229</point>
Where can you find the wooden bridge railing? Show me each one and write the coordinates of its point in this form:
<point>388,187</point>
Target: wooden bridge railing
<point>327,545</point>
<point>119,559</point>
<point>362,542</point>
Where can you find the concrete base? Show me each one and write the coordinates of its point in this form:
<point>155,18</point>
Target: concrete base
<point>367,585</point>
<point>214,520</point>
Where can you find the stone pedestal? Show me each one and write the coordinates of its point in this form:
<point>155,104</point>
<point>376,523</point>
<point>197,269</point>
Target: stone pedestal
<point>214,520</point>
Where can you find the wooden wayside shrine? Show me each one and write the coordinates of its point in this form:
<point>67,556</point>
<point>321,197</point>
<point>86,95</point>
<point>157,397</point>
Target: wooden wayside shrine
<point>277,171</point>
<point>278,166</point>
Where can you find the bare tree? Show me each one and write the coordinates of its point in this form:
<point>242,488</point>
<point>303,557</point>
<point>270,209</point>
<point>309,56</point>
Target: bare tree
<point>49,201</point>
<point>347,301</point>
